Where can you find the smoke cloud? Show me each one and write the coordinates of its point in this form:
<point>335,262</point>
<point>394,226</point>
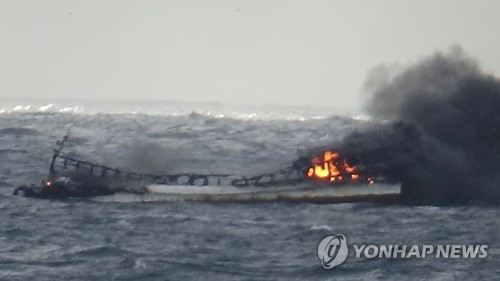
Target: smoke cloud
<point>148,158</point>
<point>437,130</point>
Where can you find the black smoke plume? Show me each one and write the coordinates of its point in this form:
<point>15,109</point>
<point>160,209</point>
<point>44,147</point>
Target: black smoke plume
<point>438,130</point>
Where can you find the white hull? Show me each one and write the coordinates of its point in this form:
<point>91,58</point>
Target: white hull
<point>227,194</point>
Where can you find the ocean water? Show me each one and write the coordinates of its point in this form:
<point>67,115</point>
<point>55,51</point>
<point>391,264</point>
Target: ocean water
<point>124,238</point>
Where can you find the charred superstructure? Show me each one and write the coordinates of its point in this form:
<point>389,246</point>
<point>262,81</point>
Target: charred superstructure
<point>77,182</point>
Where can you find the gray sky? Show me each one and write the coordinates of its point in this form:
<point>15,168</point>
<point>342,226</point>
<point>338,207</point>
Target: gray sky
<point>281,52</point>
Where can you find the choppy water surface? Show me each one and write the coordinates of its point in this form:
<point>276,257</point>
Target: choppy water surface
<point>126,239</point>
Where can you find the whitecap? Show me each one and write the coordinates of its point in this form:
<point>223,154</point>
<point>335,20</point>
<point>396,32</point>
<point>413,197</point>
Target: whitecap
<point>21,108</point>
<point>74,109</point>
<point>46,107</point>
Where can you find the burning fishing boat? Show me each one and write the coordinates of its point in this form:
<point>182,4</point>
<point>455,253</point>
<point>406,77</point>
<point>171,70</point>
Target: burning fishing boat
<point>309,179</point>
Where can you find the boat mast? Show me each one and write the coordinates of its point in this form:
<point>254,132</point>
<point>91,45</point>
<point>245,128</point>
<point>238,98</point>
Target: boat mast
<point>57,152</point>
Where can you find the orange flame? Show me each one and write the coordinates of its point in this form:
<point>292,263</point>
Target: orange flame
<point>331,168</point>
